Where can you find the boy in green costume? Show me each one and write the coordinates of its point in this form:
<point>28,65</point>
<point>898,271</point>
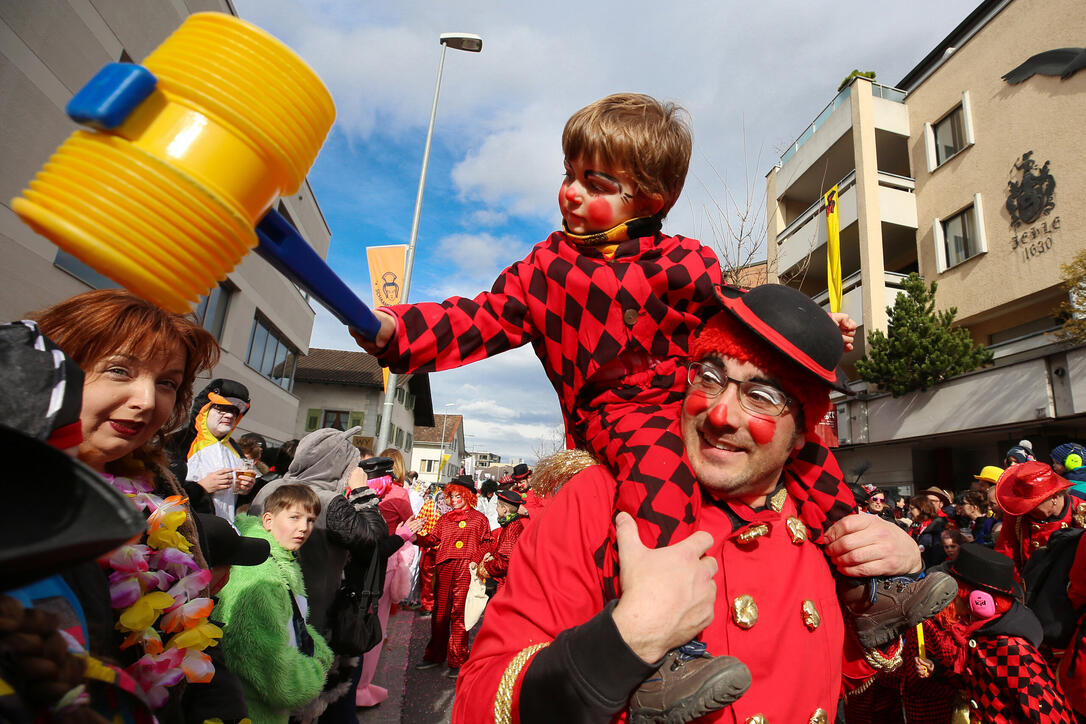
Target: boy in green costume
<point>281,660</point>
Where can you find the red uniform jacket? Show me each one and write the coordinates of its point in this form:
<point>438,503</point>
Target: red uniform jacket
<point>1021,534</point>
<point>503,550</point>
<point>460,535</point>
<point>555,587</point>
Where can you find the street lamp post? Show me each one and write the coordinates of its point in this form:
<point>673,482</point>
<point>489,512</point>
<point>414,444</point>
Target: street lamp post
<point>441,455</point>
<point>457,41</point>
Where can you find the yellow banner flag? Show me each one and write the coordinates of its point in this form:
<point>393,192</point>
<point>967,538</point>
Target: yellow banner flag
<point>444,461</point>
<point>386,273</point>
<point>386,279</point>
<point>833,249</point>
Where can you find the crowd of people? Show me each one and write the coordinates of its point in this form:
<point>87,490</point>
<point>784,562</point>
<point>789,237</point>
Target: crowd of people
<point>696,554</point>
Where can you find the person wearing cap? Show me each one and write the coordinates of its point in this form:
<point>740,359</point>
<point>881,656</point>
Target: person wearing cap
<point>212,459</point>
<point>876,502</point>
<point>1069,460</point>
<point>495,563</point>
<point>749,582</point>
<point>989,647</point>
<point>1036,504</point>
<point>986,478</point>
<point>521,478</point>
<point>460,538</point>
<point>1018,454</point>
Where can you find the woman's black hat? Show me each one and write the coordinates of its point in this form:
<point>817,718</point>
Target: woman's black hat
<point>983,568</point>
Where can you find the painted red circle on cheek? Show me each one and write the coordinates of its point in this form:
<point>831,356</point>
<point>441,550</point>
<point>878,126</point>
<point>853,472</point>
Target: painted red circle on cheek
<point>600,213</point>
<point>696,403</point>
<point>762,429</point>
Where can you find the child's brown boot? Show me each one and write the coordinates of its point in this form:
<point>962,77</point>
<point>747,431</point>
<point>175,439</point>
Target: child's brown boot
<point>885,608</point>
<point>689,683</point>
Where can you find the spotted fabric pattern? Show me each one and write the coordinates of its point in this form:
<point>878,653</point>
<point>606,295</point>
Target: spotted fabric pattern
<point>613,335</point>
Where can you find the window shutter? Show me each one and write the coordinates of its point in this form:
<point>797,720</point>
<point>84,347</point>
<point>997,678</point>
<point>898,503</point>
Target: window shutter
<point>356,419</point>
<point>967,118</point>
<point>978,214</point>
<point>929,147</point>
<point>940,245</point>
<point>312,420</point>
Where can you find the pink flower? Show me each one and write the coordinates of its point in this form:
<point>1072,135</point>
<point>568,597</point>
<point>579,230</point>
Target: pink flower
<point>130,558</point>
<point>124,591</point>
<point>155,672</point>
<point>190,586</point>
<point>174,562</point>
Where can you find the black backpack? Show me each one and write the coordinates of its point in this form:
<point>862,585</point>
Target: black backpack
<point>1045,577</point>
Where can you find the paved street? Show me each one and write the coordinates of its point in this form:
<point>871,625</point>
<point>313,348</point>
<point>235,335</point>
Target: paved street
<point>414,697</point>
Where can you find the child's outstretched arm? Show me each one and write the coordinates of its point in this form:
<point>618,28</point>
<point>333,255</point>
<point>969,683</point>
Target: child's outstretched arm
<point>384,334</point>
<point>845,324</point>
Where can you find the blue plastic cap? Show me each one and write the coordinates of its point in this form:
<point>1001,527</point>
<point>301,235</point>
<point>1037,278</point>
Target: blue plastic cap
<point>111,95</point>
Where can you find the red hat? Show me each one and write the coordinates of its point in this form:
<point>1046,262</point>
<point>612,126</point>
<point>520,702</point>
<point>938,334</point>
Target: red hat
<point>1023,487</point>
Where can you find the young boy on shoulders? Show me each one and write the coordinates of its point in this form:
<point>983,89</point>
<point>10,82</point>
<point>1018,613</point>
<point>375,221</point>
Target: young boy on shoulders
<point>281,660</point>
<point>609,303</point>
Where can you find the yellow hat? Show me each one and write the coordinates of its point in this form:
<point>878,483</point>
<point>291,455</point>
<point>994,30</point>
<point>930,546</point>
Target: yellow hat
<point>989,474</point>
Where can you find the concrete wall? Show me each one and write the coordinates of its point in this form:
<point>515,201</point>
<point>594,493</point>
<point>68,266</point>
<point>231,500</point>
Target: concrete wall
<point>48,50</point>
<point>1043,114</point>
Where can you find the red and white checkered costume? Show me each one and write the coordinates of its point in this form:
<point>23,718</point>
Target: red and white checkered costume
<point>460,537</point>
<point>613,335</point>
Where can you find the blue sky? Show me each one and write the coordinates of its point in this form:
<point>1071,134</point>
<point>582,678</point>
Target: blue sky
<point>752,75</point>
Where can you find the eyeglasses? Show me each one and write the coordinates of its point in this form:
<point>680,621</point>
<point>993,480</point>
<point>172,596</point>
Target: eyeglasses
<point>878,500</point>
<point>754,397</point>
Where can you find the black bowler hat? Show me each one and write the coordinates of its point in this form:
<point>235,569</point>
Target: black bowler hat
<point>521,471</point>
<point>224,546</point>
<point>510,496</point>
<point>790,322</point>
<point>986,570</point>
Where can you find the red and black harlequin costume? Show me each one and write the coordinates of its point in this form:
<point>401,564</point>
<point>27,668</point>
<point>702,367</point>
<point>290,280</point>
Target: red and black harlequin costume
<point>999,670</point>
<point>460,537</point>
<point>611,325</point>
<point>554,598</point>
<point>498,566</point>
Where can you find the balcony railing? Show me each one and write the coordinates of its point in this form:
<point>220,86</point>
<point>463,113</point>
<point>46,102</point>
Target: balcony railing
<point>877,89</point>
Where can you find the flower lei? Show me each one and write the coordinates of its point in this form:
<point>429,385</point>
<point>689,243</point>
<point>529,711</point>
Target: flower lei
<point>155,586</point>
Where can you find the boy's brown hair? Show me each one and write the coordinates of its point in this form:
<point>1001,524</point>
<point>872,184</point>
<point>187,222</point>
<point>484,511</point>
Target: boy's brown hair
<point>649,140</point>
<point>287,496</point>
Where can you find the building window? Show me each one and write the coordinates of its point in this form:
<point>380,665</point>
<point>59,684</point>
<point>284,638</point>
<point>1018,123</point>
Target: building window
<point>408,443</point>
<point>336,419</point>
<point>211,311</point>
<point>959,237</point>
<point>399,439</point>
<point>428,466</point>
<point>400,394</point>
<point>947,137</point>
<point>82,272</point>
<point>270,354</point>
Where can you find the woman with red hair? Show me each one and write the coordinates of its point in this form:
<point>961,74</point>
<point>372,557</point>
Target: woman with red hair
<point>139,364</point>
<point>461,537</point>
<point>988,647</point>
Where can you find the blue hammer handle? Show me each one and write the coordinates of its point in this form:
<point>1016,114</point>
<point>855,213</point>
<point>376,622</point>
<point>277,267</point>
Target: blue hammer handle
<point>284,248</point>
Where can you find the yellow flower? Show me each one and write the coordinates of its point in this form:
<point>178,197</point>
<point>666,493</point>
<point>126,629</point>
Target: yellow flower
<point>165,538</point>
<point>143,612</point>
<point>198,637</point>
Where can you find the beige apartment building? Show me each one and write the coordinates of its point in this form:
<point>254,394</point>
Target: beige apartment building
<point>48,50</point>
<point>975,183</point>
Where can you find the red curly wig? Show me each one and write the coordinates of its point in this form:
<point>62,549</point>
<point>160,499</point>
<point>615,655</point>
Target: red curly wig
<point>468,493</point>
